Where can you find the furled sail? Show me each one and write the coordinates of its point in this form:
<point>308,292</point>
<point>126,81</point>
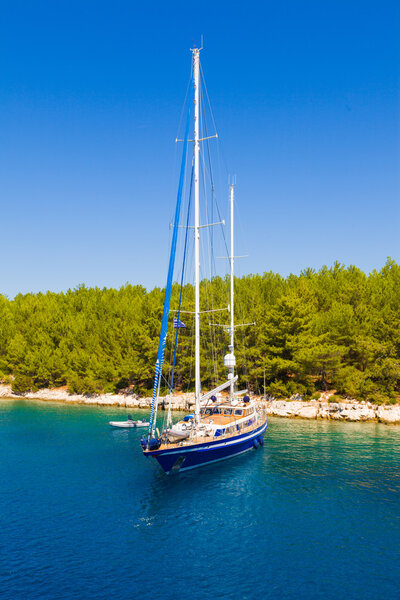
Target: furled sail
<point>167,298</point>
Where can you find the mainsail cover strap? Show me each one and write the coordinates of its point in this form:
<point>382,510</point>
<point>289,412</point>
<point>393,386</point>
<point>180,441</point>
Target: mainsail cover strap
<point>167,298</point>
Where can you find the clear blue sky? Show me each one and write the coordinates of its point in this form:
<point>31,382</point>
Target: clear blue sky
<point>306,100</point>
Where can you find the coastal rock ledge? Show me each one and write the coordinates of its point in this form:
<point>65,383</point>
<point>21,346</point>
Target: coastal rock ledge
<point>313,409</point>
<point>338,411</point>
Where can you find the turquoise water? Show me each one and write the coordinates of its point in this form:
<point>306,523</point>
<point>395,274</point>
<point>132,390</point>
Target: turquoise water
<point>313,514</point>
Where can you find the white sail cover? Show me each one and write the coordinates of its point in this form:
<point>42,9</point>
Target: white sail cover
<point>221,387</point>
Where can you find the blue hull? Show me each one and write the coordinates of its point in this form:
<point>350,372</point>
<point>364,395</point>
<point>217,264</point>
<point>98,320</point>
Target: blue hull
<point>189,457</point>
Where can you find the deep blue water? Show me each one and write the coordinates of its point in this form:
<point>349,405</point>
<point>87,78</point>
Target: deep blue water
<point>313,514</point>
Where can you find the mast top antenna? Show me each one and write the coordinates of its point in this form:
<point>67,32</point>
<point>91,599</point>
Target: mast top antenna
<point>195,48</point>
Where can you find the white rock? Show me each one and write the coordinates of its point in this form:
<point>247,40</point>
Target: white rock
<point>324,410</point>
<point>388,414</point>
<point>308,412</point>
<point>131,402</point>
<point>356,412</point>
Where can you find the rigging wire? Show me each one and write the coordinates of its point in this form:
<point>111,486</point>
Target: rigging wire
<point>207,281</point>
<point>211,292</point>
<point>213,333</point>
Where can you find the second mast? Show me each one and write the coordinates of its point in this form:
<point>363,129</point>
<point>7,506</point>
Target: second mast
<point>196,75</point>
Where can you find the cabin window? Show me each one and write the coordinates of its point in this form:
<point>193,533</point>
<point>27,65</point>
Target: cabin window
<point>215,411</point>
<point>228,411</point>
<point>239,412</point>
<point>207,411</point>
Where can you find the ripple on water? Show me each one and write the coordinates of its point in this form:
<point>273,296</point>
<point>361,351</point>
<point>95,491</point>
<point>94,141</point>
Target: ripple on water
<point>313,514</point>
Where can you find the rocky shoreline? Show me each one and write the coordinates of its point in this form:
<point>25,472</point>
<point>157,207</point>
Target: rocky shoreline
<point>336,411</point>
<point>294,408</point>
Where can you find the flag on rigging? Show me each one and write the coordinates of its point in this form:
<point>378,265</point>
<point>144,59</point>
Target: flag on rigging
<point>178,323</point>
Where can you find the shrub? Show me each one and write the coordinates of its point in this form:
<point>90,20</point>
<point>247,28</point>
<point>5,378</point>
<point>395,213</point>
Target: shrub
<point>334,398</point>
<point>391,400</point>
<point>22,383</point>
<point>316,396</point>
<point>293,388</point>
<point>278,389</point>
<point>122,384</point>
<point>377,398</point>
<point>85,385</point>
<point>349,380</point>
<point>6,378</point>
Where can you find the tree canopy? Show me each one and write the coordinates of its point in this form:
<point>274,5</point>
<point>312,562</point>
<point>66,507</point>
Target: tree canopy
<point>333,328</point>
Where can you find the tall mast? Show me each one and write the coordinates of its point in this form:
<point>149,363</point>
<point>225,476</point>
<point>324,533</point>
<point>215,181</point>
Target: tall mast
<point>196,74</point>
<point>232,258</point>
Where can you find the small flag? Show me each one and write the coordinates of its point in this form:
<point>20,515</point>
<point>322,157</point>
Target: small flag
<point>178,323</point>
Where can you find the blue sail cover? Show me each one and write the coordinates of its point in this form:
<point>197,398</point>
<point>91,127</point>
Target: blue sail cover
<point>171,383</point>
<point>167,299</point>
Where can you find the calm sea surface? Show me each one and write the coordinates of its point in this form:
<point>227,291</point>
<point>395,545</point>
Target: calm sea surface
<point>313,514</point>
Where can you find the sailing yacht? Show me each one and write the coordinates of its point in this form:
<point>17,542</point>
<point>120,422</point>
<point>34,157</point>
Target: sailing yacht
<point>225,424</point>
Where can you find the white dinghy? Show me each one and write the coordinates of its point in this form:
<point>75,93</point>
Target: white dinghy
<point>129,423</point>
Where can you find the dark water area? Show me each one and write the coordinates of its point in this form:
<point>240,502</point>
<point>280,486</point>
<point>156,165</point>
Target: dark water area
<point>315,513</point>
